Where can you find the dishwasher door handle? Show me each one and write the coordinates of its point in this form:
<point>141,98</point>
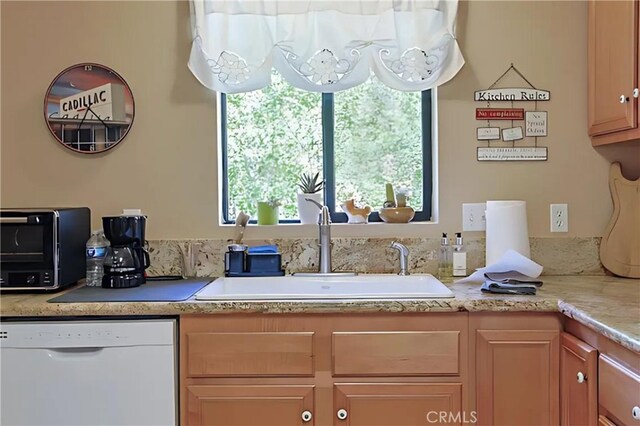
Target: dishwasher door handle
<point>74,352</point>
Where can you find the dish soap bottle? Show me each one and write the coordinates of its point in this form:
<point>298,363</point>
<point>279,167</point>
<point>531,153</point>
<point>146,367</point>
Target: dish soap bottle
<point>459,257</point>
<point>444,261</point>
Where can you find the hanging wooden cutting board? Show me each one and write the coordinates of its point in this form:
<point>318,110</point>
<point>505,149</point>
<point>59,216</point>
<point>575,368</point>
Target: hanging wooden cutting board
<point>620,247</point>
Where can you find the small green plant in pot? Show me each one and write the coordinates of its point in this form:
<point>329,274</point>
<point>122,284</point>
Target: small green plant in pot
<point>269,212</point>
<point>310,187</point>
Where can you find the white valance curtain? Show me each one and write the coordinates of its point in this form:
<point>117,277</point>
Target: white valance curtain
<point>324,45</point>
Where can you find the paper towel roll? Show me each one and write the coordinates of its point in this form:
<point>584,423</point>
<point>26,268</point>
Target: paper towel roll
<point>506,229</point>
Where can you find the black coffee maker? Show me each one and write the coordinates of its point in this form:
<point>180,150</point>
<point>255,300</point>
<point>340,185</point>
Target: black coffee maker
<point>126,258</point>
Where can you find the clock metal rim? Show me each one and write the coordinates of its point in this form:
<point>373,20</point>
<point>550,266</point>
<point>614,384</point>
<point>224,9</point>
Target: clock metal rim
<point>93,64</point>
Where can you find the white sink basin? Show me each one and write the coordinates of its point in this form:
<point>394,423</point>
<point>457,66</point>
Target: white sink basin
<point>322,287</point>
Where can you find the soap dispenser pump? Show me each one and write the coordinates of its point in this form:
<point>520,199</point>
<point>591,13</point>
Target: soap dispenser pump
<point>459,258</point>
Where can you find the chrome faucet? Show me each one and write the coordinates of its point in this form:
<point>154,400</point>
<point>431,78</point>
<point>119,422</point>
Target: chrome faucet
<point>404,257</point>
<point>324,237</point>
<point>324,240</point>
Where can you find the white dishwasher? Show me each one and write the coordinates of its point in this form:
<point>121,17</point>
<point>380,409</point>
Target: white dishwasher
<point>94,372</point>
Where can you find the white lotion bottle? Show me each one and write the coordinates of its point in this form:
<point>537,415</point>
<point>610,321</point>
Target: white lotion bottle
<point>459,257</point>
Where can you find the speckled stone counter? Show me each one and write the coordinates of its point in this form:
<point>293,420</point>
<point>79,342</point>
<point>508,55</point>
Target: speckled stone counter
<point>610,306</point>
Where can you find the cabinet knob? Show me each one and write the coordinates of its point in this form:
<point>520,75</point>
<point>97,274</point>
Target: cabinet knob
<point>580,376</point>
<point>635,412</point>
<point>636,92</point>
<point>306,416</point>
<point>342,414</point>
<point>623,99</point>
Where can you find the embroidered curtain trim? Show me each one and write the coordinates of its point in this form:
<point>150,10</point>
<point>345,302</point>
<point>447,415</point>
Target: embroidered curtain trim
<point>323,46</point>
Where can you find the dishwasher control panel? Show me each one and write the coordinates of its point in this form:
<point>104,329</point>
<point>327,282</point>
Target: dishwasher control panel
<point>58,334</point>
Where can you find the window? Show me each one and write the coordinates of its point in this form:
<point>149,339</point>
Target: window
<point>358,140</point>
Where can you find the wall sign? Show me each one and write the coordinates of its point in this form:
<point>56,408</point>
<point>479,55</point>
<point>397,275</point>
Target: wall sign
<point>516,140</point>
<point>512,154</point>
<point>488,133</point>
<point>499,114</point>
<point>512,94</point>
<point>536,123</point>
<point>512,134</point>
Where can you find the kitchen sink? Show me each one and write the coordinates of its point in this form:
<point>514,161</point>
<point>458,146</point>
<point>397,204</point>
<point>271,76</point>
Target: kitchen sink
<point>370,287</point>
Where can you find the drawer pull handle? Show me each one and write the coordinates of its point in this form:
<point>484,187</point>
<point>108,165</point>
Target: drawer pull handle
<point>580,376</point>
<point>635,412</point>
<point>306,416</point>
<point>342,414</point>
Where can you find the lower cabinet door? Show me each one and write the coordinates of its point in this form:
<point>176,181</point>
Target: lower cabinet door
<point>249,405</point>
<point>399,404</point>
<point>517,377</point>
<point>578,382</point>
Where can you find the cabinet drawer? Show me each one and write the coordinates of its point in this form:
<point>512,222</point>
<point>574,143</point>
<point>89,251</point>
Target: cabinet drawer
<point>618,390</point>
<point>249,354</point>
<point>396,353</point>
<point>400,404</point>
<point>276,405</point>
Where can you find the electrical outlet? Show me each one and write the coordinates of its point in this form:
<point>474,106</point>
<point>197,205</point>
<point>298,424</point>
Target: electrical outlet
<point>559,216</point>
<point>473,216</point>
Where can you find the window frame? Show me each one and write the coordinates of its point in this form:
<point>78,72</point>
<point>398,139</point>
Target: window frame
<point>328,161</point>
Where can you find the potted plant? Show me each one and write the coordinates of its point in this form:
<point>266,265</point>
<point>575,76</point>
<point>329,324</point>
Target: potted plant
<point>310,186</point>
<point>269,211</point>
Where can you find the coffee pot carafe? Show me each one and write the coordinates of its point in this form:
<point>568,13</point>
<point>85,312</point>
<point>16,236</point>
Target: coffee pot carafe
<point>127,258</point>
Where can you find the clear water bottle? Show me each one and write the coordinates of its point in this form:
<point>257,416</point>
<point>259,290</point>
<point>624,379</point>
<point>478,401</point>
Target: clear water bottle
<point>96,251</point>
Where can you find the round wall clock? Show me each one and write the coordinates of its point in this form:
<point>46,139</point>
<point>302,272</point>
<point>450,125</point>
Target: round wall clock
<point>89,108</point>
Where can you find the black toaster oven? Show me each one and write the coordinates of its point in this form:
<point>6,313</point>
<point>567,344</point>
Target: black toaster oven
<point>43,248</point>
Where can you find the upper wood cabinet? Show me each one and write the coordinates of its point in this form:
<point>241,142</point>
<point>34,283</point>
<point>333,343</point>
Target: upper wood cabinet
<point>613,71</point>
<point>578,382</point>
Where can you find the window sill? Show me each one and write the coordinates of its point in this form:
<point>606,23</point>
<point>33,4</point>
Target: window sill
<point>338,230</point>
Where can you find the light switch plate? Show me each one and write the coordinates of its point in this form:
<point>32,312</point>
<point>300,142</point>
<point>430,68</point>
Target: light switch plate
<point>559,217</point>
<point>473,217</point>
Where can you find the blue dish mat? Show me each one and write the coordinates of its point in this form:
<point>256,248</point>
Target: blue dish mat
<point>152,291</point>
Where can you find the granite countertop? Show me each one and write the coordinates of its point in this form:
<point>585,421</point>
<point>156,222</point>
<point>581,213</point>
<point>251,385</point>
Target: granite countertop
<point>608,305</point>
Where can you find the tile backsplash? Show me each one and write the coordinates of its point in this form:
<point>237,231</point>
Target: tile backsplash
<point>559,256</point>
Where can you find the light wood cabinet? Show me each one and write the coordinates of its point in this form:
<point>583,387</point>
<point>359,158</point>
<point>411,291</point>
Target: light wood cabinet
<point>239,354</point>
<point>619,392</point>
<point>380,369</point>
<point>399,404</point>
<point>517,375</point>
<point>578,382</point>
<point>613,71</point>
<point>242,405</point>
<point>517,368</point>
<point>617,377</point>
<point>396,353</point>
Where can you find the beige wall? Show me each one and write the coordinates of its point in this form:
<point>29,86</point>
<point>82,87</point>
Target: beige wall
<point>167,165</point>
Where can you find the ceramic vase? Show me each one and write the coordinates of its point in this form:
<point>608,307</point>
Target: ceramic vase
<point>307,211</point>
<point>268,214</point>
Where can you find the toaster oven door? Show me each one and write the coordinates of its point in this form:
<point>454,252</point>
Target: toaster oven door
<point>27,240</point>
